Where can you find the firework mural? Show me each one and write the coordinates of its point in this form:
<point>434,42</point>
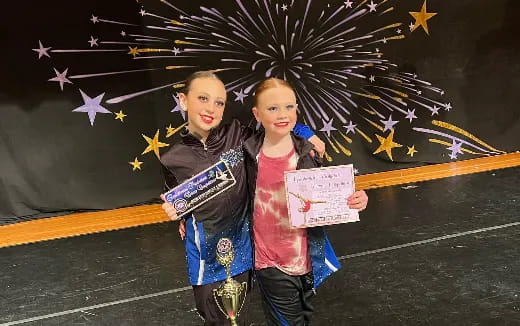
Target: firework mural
<point>333,54</point>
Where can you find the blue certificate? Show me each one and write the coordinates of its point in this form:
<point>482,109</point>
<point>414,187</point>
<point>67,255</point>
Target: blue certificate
<point>201,188</point>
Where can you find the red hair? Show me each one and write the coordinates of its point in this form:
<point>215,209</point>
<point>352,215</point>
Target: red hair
<point>270,83</point>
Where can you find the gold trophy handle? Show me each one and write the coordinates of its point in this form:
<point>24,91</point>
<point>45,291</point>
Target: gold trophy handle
<point>244,290</point>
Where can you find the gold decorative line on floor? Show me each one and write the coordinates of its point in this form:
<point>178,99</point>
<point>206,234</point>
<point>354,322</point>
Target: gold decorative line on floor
<point>86,223</point>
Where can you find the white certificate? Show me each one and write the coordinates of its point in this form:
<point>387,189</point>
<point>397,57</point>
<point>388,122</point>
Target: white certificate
<point>318,196</point>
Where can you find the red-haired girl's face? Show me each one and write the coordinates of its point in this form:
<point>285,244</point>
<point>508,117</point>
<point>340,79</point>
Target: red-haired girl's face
<point>276,110</point>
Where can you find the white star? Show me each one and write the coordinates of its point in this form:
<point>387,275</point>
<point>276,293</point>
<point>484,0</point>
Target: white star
<point>389,124</point>
<point>351,127</point>
<point>377,50</point>
<point>384,40</point>
<point>91,106</point>
<point>372,6</point>
<point>94,19</point>
<point>419,92</point>
<point>372,78</point>
<point>442,92</point>
<point>178,107</point>
<point>356,171</point>
<point>348,4</point>
<point>435,110</point>
<point>240,95</point>
<point>93,41</point>
<point>327,127</point>
<point>455,149</point>
<point>61,78</point>
<point>142,12</point>
<point>411,26</point>
<point>284,7</point>
<point>411,115</point>
<point>447,106</point>
<point>42,51</point>
<point>176,51</point>
<point>123,33</point>
<point>398,31</point>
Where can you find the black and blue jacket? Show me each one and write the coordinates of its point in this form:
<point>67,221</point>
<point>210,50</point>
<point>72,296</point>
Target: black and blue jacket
<point>226,215</point>
<point>323,259</point>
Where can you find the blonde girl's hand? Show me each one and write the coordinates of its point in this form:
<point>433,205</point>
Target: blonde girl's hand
<point>169,209</point>
<point>319,145</point>
<point>358,200</point>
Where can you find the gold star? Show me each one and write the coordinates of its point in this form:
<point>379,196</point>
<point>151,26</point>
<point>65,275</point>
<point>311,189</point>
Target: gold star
<point>133,51</point>
<point>136,164</point>
<point>120,115</point>
<point>387,144</point>
<point>421,17</point>
<point>154,144</point>
<point>411,150</point>
<point>169,130</point>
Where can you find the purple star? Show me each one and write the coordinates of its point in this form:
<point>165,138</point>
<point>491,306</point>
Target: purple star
<point>93,41</point>
<point>372,6</point>
<point>240,96</point>
<point>455,149</point>
<point>435,110</point>
<point>411,115</point>
<point>327,127</point>
<point>61,78</point>
<point>42,51</point>
<point>389,124</point>
<point>94,19</point>
<point>350,127</point>
<point>348,4</point>
<point>91,106</point>
<point>178,107</point>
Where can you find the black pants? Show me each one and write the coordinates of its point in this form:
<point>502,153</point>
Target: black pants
<point>285,298</point>
<point>207,308</point>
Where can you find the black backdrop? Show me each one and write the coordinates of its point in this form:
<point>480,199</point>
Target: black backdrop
<point>52,160</point>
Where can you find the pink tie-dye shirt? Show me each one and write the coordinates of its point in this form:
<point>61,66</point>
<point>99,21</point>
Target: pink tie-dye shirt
<point>276,243</point>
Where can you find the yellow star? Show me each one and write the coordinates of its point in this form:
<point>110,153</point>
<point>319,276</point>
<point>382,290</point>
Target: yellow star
<point>387,144</point>
<point>169,130</point>
<point>133,51</point>
<point>120,115</point>
<point>136,164</point>
<point>421,17</point>
<point>154,144</point>
<point>411,150</point>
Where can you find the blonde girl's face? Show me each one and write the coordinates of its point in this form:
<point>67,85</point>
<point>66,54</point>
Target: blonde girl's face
<point>204,103</point>
<point>276,110</point>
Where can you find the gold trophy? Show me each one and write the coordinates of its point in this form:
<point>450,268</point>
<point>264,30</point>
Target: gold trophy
<point>230,290</point>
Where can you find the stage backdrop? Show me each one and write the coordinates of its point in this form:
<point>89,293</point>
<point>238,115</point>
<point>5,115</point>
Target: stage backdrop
<point>88,89</point>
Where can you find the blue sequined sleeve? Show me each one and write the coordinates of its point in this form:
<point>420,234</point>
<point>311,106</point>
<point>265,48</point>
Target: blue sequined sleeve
<point>303,131</point>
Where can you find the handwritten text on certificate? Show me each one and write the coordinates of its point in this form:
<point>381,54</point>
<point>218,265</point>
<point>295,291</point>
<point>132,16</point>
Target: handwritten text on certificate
<point>319,196</point>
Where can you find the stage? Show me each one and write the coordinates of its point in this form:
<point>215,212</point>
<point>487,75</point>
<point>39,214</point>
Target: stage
<point>437,245</point>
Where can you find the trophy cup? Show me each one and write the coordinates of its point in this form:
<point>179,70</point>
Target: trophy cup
<point>229,291</point>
